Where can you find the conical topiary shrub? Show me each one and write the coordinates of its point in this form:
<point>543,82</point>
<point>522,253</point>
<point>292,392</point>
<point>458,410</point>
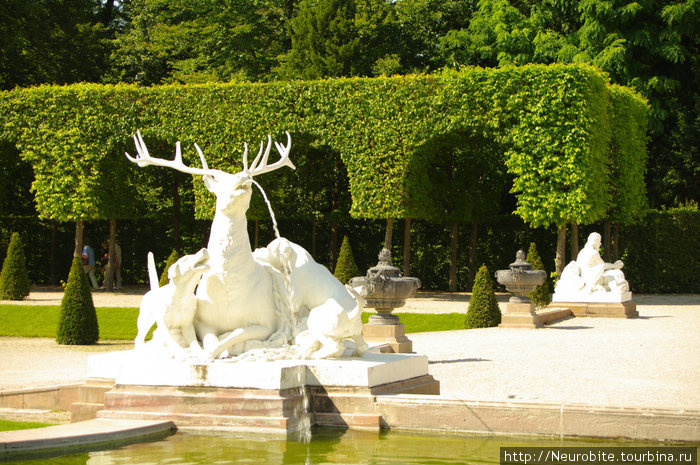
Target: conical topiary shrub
<point>346,268</point>
<point>14,281</point>
<point>78,322</point>
<point>483,311</point>
<point>174,256</point>
<point>541,296</point>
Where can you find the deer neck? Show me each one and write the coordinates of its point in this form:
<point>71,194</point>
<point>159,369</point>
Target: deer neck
<point>229,244</point>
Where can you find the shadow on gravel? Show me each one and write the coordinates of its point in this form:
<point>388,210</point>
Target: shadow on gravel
<point>460,360</point>
<point>570,327</point>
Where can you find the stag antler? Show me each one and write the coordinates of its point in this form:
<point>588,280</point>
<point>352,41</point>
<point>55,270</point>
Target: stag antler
<point>260,166</point>
<point>143,158</point>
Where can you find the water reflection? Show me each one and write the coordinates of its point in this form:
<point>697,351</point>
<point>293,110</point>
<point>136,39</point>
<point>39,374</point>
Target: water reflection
<point>328,446</point>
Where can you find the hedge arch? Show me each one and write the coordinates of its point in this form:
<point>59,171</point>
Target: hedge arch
<point>554,122</point>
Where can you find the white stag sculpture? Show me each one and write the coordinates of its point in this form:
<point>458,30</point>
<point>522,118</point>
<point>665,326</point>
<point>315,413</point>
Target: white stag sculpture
<point>248,300</point>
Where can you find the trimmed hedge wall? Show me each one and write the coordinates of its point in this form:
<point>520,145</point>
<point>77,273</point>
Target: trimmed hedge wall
<point>552,122</point>
<point>660,253</point>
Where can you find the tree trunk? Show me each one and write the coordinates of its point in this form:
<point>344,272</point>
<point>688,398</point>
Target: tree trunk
<point>313,238</point>
<point>472,252</point>
<point>176,213</point>
<point>606,241</point>
<point>334,244</point>
<point>454,230</point>
<point>388,233</point>
<point>407,247</point>
<point>79,226</point>
<point>52,260</point>
<point>560,259</point>
<point>574,241</point>
<point>615,249</point>
<point>111,251</point>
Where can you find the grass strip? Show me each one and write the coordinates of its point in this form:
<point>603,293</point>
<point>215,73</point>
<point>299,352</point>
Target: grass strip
<point>7,425</point>
<point>119,323</point>
<point>116,323</point>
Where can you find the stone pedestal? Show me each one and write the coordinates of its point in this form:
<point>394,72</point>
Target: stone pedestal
<point>627,309</point>
<point>392,335</point>
<point>520,315</point>
<point>283,396</point>
<point>598,305</point>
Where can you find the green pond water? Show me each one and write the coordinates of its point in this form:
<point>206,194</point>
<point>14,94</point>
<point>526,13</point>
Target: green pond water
<point>328,446</point>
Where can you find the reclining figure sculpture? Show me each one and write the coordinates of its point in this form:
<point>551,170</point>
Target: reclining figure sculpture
<point>260,300</point>
<point>590,275</point>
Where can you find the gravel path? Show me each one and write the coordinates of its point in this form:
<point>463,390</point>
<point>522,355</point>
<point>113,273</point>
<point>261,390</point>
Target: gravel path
<point>650,361</point>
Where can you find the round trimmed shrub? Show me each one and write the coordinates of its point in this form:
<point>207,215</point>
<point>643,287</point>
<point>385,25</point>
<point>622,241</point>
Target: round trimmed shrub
<point>14,280</point>
<point>541,296</point>
<point>346,268</point>
<point>483,311</point>
<point>77,324</point>
<point>174,256</point>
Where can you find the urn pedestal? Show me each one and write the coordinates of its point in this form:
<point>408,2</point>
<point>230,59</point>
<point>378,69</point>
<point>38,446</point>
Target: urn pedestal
<point>386,290</point>
<point>520,279</point>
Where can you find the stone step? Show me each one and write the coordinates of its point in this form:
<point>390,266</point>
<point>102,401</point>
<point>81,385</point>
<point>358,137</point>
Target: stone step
<point>77,436</point>
<point>211,401</point>
<point>554,314</point>
<point>235,422</point>
<point>349,420</point>
<point>82,411</point>
<point>93,391</point>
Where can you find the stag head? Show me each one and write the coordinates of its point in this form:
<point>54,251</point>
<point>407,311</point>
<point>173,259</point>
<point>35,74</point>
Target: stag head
<point>232,190</point>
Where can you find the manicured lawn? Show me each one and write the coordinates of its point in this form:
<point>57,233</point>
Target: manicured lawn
<point>118,323</point>
<point>6,425</point>
<point>427,322</point>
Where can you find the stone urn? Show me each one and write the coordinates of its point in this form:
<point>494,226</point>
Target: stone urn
<point>386,288</point>
<point>520,279</point>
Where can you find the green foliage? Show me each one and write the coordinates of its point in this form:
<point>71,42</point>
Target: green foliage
<point>346,268</point>
<point>77,324</point>
<point>628,155</point>
<point>659,252</point>
<point>172,258</point>
<point>541,296</point>
<point>199,41</point>
<point>325,41</point>
<point>14,281</point>
<point>51,42</point>
<point>483,311</point>
<point>551,124</point>
<point>650,46</point>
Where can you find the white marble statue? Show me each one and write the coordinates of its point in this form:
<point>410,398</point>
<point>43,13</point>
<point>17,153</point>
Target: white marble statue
<point>172,307</point>
<point>590,277</point>
<point>260,300</point>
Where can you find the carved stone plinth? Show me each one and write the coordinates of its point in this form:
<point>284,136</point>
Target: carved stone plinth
<point>393,335</point>
<point>283,396</point>
<point>627,309</point>
<point>520,315</point>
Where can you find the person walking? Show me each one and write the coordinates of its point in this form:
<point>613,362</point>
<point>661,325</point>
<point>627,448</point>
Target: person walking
<point>88,259</point>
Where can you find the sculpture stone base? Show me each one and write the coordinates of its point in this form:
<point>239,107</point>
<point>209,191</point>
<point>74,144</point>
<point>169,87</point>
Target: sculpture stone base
<point>627,309</point>
<point>601,297</point>
<point>520,315</point>
<point>284,396</point>
<point>389,337</point>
